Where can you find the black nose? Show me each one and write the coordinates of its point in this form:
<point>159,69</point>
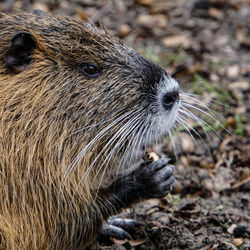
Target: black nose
<point>169,99</point>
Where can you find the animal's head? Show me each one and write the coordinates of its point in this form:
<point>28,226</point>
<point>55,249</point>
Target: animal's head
<point>70,82</point>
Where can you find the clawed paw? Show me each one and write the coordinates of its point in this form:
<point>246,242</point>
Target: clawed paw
<point>155,179</point>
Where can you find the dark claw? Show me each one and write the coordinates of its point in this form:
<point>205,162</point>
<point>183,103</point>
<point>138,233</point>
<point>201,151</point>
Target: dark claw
<point>115,232</point>
<point>164,174</point>
<point>157,165</point>
<point>126,224</point>
<point>154,180</point>
<point>167,172</point>
<point>168,183</point>
<point>118,228</point>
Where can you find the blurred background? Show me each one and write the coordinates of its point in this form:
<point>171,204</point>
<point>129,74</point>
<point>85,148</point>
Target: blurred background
<point>205,44</point>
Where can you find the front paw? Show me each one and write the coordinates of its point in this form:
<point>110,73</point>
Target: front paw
<point>154,179</point>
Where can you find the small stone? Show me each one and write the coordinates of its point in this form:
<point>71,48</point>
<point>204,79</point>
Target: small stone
<point>124,30</point>
<point>144,20</point>
<point>214,77</point>
<point>233,71</point>
<point>152,21</point>
<point>176,41</point>
<point>239,85</point>
<point>208,184</point>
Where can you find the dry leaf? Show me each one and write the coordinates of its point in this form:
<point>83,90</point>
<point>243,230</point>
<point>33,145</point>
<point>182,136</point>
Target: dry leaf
<point>238,242</point>
<point>118,241</point>
<point>134,243</point>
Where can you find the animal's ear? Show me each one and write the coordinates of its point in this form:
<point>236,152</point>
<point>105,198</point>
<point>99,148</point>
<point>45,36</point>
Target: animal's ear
<point>17,56</point>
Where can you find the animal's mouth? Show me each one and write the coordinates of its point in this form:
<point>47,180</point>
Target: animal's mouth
<point>153,130</point>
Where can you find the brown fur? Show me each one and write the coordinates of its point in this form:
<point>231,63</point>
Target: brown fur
<point>45,115</point>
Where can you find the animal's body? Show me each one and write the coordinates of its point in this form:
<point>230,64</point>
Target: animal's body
<point>76,107</point>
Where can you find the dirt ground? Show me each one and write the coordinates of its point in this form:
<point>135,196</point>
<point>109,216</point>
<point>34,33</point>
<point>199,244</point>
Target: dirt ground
<point>205,44</point>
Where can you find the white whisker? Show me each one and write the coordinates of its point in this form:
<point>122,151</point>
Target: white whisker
<point>173,143</point>
<point>202,123</point>
<point>92,142</point>
<point>187,127</point>
<point>128,153</point>
<point>107,147</point>
<point>195,98</point>
<point>94,125</point>
<point>108,158</point>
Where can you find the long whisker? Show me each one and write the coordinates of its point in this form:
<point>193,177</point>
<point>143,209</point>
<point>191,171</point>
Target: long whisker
<point>196,97</point>
<point>92,142</point>
<point>196,103</point>
<point>187,127</point>
<point>126,128</point>
<point>107,146</point>
<point>138,133</point>
<point>173,143</point>
<point>107,160</point>
<point>94,125</point>
<point>202,123</point>
<point>185,104</point>
<point>133,144</point>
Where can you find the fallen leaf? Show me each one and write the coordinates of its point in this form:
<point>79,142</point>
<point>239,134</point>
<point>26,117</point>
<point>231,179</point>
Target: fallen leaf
<point>238,242</point>
<point>134,243</point>
<point>218,14</point>
<point>240,183</point>
<point>118,241</point>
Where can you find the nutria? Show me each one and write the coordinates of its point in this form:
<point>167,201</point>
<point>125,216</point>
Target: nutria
<point>77,110</point>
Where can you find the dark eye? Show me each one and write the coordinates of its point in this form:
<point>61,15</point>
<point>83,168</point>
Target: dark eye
<point>90,70</point>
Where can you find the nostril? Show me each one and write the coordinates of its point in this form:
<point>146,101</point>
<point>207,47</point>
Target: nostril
<point>169,99</point>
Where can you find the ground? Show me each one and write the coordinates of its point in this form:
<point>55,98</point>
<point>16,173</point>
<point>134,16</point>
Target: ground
<point>205,45</point>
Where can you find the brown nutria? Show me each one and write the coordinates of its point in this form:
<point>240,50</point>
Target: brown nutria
<point>77,107</point>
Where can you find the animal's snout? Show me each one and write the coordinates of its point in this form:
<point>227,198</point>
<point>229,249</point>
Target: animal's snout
<point>169,99</point>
